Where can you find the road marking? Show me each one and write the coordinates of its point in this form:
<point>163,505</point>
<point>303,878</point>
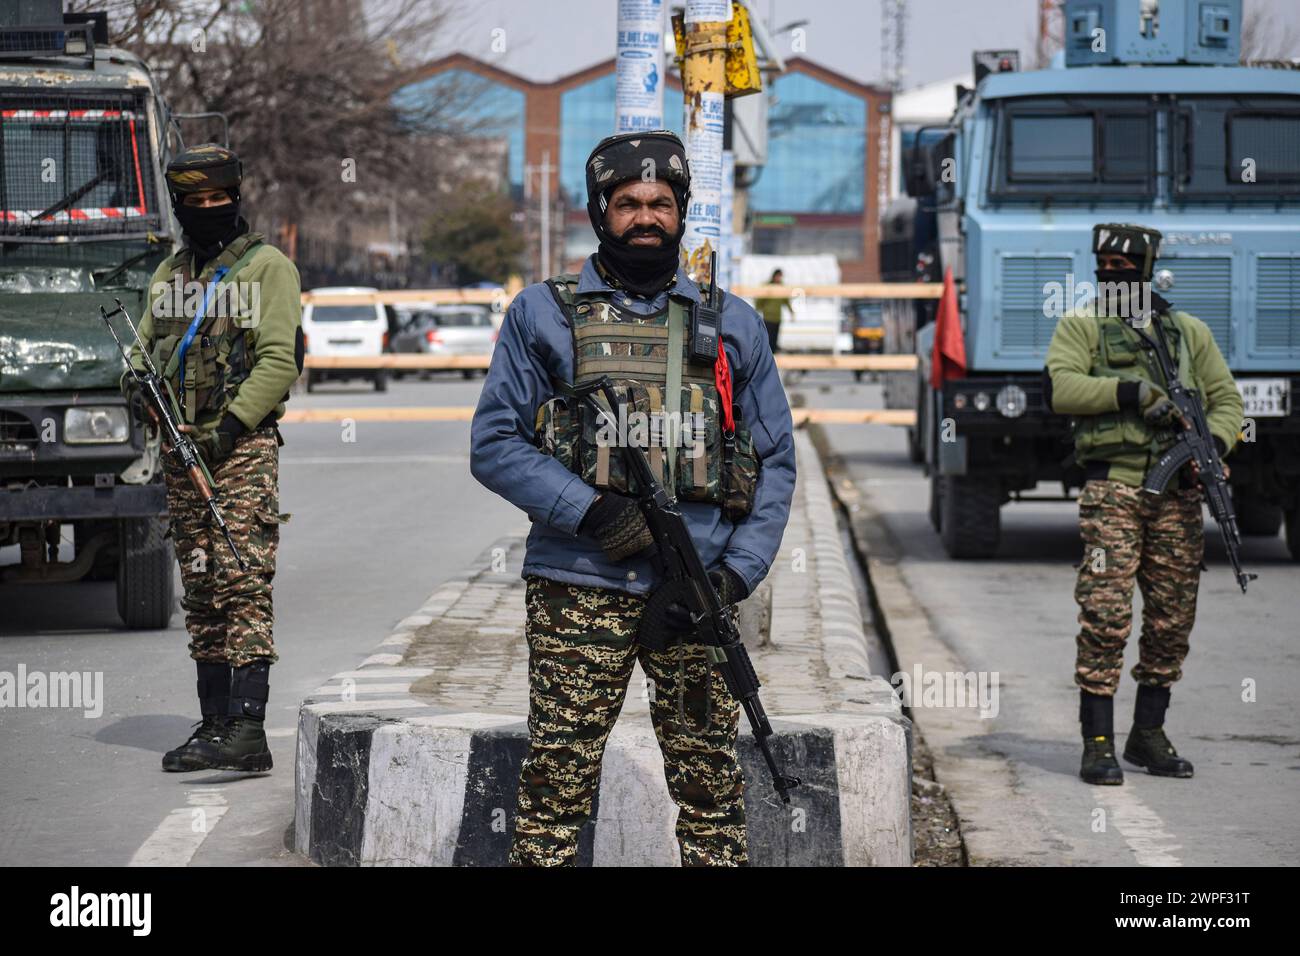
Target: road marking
<point>1141,827</point>
<point>183,831</point>
<point>380,460</point>
<point>383,413</point>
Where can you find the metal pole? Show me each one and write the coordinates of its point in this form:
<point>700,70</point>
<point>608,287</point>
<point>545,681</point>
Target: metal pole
<point>638,85</point>
<point>704,84</point>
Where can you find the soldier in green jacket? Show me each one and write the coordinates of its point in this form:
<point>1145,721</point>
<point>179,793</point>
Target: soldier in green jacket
<point>1123,419</point>
<point>224,327</point>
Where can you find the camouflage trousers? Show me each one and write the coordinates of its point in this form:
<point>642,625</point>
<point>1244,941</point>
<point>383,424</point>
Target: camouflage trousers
<point>581,654</point>
<point>228,611</point>
<point>1157,541</point>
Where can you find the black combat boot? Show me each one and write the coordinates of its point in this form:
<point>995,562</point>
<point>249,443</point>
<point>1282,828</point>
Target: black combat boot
<point>214,701</point>
<point>1097,718</point>
<point>1147,744</point>
<point>241,741</point>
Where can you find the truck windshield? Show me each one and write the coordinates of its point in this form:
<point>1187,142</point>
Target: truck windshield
<point>1237,147</point>
<point>1074,147</point>
<point>74,166</point>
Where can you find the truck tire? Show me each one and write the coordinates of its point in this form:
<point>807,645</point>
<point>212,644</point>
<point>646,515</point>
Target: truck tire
<point>311,380</point>
<point>1256,517</point>
<point>915,450</point>
<point>104,567</point>
<point>145,591</point>
<point>381,381</point>
<point>970,516</point>
<point>936,503</point>
<point>1293,533</point>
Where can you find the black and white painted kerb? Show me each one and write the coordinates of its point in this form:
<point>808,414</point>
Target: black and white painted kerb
<point>387,777</point>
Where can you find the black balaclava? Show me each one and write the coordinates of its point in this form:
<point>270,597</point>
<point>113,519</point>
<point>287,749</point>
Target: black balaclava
<point>658,154</point>
<point>1139,245</point>
<point>207,166</point>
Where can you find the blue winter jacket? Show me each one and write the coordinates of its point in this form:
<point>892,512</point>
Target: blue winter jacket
<point>534,349</point>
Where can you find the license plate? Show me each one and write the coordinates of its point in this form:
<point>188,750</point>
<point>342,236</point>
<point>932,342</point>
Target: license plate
<point>1265,397</point>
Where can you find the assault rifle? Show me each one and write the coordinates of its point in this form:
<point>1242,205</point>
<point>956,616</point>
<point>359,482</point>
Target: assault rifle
<point>678,559</point>
<point>1194,444</point>
<point>161,402</point>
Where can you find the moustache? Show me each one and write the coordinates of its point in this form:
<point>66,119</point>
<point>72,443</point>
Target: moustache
<point>636,232</point>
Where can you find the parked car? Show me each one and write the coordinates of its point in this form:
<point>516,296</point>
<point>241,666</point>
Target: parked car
<point>346,330</point>
<point>449,330</point>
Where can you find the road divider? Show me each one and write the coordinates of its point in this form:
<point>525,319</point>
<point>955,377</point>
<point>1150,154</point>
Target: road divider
<point>463,413</point>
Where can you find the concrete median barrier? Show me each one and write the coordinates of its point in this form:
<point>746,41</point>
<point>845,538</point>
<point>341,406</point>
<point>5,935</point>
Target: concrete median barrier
<point>413,758</point>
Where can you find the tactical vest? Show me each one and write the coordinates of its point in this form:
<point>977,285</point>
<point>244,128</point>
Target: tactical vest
<point>220,355</point>
<point>1122,354</point>
<point>657,386</point>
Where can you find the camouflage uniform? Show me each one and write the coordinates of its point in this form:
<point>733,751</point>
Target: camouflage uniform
<point>582,649</point>
<point>230,355</point>
<point>1157,540</point>
<point>228,611</point>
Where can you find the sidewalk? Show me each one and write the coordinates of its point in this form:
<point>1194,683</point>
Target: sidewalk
<point>414,757</point>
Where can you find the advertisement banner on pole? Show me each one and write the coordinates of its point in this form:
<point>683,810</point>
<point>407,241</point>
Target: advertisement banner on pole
<point>728,209</point>
<point>639,88</point>
<point>708,11</point>
<point>704,126</point>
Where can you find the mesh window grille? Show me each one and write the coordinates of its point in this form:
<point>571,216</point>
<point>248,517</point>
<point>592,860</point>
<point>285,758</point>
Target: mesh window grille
<point>75,165</point>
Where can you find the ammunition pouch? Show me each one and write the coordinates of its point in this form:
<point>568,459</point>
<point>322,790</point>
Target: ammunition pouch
<point>707,465</point>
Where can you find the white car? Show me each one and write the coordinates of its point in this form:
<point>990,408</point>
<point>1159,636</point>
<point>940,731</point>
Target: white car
<point>345,331</point>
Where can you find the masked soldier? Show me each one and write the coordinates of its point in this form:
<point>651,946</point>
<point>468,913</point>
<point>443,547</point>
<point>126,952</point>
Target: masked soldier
<point>1104,375</point>
<point>593,605</point>
<point>224,328</point>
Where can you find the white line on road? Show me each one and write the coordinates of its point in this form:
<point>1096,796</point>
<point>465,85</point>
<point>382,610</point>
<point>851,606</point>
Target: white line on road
<point>1141,827</point>
<point>379,460</point>
<point>183,831</point>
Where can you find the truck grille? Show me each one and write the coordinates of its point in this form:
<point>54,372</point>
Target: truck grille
<point>16,432</point>
<point>1024,326</point>
<point>1277,306</point>
<point>1203,287</point>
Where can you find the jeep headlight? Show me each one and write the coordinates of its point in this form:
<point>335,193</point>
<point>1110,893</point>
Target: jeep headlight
<point>1012,401</point>
<point>95,425</point>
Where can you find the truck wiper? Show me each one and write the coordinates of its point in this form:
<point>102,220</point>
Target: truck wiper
<point>122,267</point>
<point>70,198</point>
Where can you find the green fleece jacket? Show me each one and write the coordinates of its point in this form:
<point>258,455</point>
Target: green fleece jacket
<point>1077,392</point>
<point>274,336</point>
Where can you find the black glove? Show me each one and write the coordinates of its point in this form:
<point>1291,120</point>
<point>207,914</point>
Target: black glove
<point>135,404</point>
<point>617,523</point>
<point>215,446</point>
<point>730,587</point>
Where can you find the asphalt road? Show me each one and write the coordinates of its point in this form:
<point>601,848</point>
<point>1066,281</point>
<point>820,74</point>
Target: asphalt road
<point>378,522</point>
<point>1014,617</point>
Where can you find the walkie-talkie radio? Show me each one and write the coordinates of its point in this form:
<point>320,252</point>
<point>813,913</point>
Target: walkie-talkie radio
<point>706,320</point>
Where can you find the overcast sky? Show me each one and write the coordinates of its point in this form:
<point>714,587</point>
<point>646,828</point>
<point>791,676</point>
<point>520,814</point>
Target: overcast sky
<point>545,39</point>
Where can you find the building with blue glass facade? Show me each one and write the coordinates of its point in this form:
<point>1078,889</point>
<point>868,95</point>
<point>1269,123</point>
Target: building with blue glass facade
<point>816,193</point>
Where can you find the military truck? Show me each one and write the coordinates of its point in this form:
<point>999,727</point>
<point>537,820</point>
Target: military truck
<point>1148,119</point>
<point>84,220</point>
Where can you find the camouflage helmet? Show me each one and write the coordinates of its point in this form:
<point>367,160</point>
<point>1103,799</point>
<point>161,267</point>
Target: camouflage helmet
<point>206,166</point>
<point>1139,244</point>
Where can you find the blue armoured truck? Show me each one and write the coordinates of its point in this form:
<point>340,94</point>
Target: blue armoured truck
<point>1150,120</point>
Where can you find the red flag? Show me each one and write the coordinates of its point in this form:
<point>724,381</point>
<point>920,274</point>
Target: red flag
<point>722,379</point>
<point>949,357</point>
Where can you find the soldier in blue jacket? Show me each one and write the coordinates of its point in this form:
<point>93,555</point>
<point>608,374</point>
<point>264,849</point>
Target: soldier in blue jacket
<point>719,434</point>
